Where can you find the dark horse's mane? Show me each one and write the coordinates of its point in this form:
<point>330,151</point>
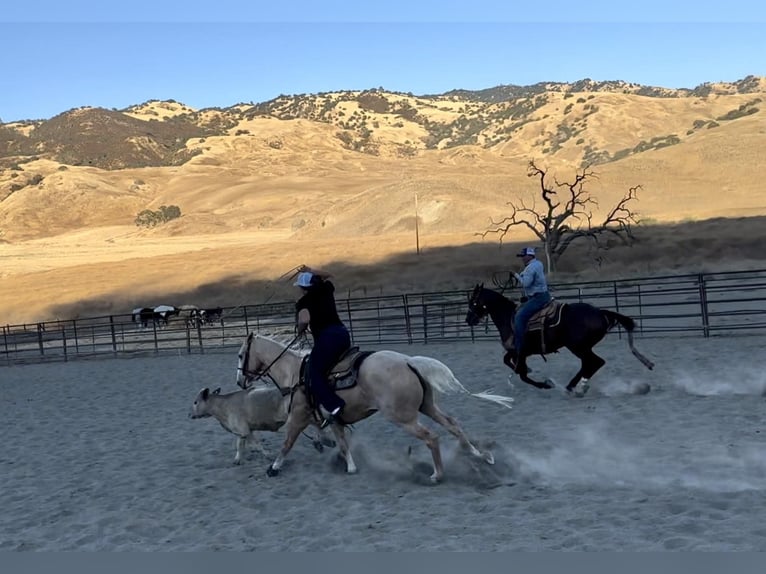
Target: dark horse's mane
<point>499,300</point>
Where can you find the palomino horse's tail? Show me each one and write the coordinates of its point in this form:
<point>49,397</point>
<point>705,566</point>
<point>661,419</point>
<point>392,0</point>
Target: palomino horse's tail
<point>629,325</point>
<point>439,377</point>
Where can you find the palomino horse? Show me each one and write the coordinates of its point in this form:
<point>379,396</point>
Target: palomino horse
<point>397,385</point>
<point>579,328</point>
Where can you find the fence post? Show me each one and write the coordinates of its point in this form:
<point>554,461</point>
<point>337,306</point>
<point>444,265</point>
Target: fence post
<point>247,327</point>
<point>76,338</point>
<point>617,307</point>
<point>63,342</point>
<point>407,322</point>
<point>5,341</point>
<point>425,318</point>
<point>703,305</point>
<point>350,322</point>
<point>114,338</point>
<point>40,338</point>
<point>443,319</point>
<point>379,322</point>
<point>199,337</point>
<point>640,312</point>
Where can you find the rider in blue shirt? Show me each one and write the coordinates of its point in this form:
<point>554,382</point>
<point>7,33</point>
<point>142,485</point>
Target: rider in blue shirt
<point>532,280</point>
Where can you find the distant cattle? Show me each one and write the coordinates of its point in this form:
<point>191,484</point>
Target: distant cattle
<point>164,313</point>
<point>205,317</point>
<point>142,316</point>
<point>159,315</point>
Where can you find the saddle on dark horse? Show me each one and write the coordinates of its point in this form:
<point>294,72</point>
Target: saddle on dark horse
<point>540,325</point>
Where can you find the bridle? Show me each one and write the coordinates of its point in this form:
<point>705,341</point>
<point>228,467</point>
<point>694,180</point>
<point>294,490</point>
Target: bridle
<point>477,307</point>
<point>255,375</point>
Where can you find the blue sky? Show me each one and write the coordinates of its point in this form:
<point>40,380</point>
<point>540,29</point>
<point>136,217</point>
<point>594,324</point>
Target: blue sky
<point>55,56</point>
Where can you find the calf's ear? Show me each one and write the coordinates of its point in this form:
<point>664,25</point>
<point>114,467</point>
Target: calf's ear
<point>217,391</point>
<point>204,393</point>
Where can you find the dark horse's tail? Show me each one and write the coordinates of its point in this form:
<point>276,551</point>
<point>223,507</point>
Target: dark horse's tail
<point>629,325</point>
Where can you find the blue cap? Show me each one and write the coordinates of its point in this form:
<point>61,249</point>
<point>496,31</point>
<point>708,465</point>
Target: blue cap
<point>304,279</point>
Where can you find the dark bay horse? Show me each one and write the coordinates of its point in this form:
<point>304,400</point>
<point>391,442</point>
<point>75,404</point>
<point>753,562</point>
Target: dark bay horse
<point>580,327</point>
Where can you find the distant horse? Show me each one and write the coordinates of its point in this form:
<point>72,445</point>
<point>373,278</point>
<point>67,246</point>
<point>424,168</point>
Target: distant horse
<point>397,385</point>
<point>576,326</point>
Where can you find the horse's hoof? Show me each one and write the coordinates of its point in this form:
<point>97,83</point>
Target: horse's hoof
<point>551,384</point>
<point>271,471</point>
<point>435,479</point>
<point>319,446</point>
<point>489,458</point>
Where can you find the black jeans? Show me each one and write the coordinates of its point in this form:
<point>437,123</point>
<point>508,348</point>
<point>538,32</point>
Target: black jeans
<point>328,348</point>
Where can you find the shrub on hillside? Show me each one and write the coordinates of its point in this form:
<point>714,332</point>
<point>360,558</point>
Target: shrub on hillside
<point>149,218</point>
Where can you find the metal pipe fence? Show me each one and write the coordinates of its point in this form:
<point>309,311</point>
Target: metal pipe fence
<point>704,304</point>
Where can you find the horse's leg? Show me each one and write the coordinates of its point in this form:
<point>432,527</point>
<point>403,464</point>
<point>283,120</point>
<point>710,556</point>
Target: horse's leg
<point>241,441</point>
<point>432,441</point>
<point>430,409</point>
<point>591,363</point>
<point>340,435</point>
<point>296,423</point>
<point>576,379</point>
<point>523,373</point>
<point>321,440</point>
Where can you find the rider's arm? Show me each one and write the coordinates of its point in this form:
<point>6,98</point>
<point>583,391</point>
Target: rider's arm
<point>304,318</point>
<point>527,277</point>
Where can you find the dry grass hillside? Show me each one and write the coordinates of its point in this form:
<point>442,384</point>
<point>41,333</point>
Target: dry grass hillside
<point>332,180</point>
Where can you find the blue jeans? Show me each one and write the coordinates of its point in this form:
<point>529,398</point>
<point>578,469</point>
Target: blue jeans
<point>328,348</point>
<point>525,312</point>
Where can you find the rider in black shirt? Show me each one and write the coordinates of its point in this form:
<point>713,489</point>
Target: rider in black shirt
<point>316,310</point>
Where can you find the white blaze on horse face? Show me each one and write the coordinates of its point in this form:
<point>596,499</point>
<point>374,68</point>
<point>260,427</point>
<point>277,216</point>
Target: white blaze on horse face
<point>241,364</point>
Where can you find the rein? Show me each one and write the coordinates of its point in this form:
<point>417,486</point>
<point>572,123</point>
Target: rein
<point>265,372</point>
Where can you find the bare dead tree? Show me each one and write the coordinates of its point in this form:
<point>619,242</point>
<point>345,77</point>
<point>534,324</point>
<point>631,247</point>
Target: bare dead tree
<point>566,215</point>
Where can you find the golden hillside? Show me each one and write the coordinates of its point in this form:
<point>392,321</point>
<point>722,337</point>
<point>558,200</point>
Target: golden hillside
<point>332,179</point>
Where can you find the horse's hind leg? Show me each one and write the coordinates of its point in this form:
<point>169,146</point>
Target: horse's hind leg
<point>340,435</point>
<point>453,427</point>
<point>432,440</point>
<point>591,363</point>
